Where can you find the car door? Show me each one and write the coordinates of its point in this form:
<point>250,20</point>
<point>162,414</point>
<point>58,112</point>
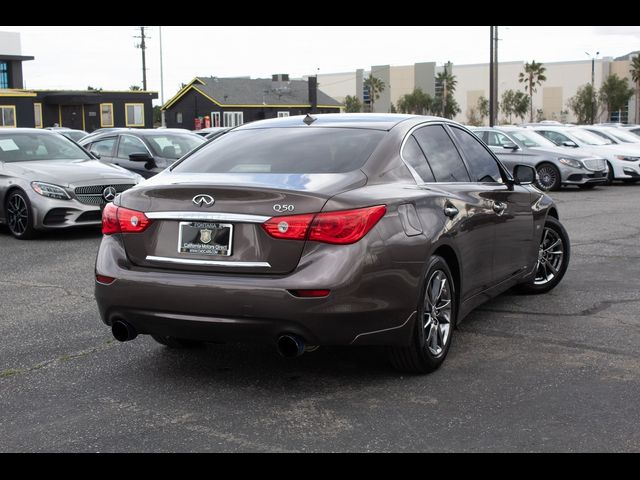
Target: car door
<point>127,145</point>
<point>468,213</point>
<point>511,206</point>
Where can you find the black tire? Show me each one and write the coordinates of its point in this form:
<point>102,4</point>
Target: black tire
<point>610,175</point>
<point>419,356</point>
<point>173,342</point>
<point>19,215</point>
<point>549,178</point>
<point>551,266</point>
<point>587,186</point>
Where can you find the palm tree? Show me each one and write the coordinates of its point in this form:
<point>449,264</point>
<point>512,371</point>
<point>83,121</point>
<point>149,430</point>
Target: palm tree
<point>635,76</point>
<point>532,76</point>
<point>376,87</point>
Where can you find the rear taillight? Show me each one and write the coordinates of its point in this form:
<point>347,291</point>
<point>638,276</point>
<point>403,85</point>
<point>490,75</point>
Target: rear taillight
<point>123,220</point>
<point>104,280</point>
<point>341,227</point>
<point>292,227</point>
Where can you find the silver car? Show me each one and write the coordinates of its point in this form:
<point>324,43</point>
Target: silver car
<point>49,182</point>
<point>555,165</point>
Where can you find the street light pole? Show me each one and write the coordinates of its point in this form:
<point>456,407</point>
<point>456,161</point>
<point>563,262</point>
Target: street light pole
<point>593,86</point>
<point>163,120</point>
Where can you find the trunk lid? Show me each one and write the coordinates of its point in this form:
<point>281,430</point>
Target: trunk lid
<point>242,202</point>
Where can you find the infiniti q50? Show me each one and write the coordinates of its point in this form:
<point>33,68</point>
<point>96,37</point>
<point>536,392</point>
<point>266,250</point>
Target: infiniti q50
<point>343,229</point>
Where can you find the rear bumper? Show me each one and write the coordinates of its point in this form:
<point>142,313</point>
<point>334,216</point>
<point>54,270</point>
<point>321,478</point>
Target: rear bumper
<point>369,304</point>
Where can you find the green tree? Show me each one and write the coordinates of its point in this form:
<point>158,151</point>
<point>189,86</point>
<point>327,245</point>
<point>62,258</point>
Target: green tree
<point>135,88</point>
<point>376,87</point>
<point>532,77</point>
<point>635,76</point>
<point>583,103</point>
<point>416,102</point>
<point>477,114</point>
<point>514,103</point>
<point>445,105</point>
<point>615,93</point>
<point>157,116</point>
<point>352,104</point>
<point>483,107</point>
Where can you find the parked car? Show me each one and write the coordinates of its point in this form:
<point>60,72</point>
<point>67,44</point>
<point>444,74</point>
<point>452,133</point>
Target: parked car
<point>217,133</point>
<point>205,132</point>
<point>352,229</point>
<point>143,151</point>
<point>75,135</point>
<point>623,161</point>
<point>555,166</point>
<point>48,182</point>
<point>615,136</point>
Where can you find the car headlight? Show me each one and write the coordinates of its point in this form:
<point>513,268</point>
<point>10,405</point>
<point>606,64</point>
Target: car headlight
<point>627,158</point>
<point>49,190</point>
<point>570,162</point>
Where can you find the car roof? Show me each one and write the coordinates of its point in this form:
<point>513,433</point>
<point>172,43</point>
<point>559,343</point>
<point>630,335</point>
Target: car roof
<point>376,121</point>
<point>28,130</point>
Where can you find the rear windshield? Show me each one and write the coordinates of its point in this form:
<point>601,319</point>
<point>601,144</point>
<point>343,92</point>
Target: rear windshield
<point>28,146</point>
<point>173,146</point>
<point>285,150</point>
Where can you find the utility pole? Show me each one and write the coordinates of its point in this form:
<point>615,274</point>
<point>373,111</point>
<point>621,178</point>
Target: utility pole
<point>495,74</point>
<point>142,46</point>
<point>163,121</point>
<point>444,92</point>
<point>492,81</point>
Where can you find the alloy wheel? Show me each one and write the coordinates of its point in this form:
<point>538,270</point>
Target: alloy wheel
<point>547,177</point>
<point>550,257</point>
<point>18,214</point>
<point>437,313</point>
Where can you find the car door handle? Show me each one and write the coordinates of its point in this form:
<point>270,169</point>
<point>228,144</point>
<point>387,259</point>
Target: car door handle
<point>451,211</point>
<point>499,207</point>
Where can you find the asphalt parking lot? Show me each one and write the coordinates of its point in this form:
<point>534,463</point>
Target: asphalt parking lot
<point>558,372</point>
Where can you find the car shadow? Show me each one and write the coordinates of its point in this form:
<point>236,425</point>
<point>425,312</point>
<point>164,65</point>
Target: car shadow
<point>77,233</point>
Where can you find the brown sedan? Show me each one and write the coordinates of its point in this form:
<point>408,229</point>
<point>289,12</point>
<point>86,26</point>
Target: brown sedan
<point>352,229</point>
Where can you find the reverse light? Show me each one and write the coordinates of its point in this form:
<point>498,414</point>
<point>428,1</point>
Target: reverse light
<point>570,162</point>
<point>123,220</point>
<point>50,190</point>
<point>340,228</point>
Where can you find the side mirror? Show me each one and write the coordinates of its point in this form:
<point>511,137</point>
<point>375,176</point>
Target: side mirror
<point>510,146</point>
<point>524,174</point>
<point>569,143</point>
<point>140,157</point>
<point>95,154</point>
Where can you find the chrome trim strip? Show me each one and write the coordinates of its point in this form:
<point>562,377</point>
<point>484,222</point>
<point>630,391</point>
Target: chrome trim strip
<point>208,263</point>
<point>223,217</point>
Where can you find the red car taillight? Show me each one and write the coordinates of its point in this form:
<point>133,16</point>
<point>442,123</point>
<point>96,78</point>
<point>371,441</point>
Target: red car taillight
<point>341,227</point>
<point>123,220</point>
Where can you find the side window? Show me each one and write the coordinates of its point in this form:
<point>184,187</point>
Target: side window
<point>129,145</point>
<point>103,147</point>
<point>555,137</point>
<point>414,157</point>
<point>441,153</point>
<point>482,166</point>
<point>497,139</point>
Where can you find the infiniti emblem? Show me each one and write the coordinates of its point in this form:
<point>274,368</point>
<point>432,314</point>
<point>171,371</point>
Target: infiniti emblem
<point>203,199</point>
<point>109,194</point>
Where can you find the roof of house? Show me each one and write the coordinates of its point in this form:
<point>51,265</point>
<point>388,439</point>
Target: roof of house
<point>258,92</point>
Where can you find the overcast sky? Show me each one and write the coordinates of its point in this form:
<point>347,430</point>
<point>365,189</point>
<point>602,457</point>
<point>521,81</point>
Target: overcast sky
<point>75,57</point>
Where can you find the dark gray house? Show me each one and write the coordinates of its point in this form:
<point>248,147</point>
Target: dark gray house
<point>228,102</point>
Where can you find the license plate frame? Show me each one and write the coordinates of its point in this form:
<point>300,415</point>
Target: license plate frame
<point>195,233</point>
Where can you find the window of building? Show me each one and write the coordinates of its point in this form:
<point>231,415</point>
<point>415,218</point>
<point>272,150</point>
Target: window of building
<point>233,119</point>
<point>7,116</point>
<point>482,166</point>
<point>134,114</point>
<point>443,157</point>
<point>179,118</point>
<point>4,75</point>
<point>215,119</point>
<point>283,114</point>
<point>37,115</point>
<point>106,114</point>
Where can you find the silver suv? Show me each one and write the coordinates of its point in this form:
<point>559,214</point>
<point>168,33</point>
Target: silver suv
<point>555,166</point>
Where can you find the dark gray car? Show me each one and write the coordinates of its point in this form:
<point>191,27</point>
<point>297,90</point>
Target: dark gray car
<point>555,166</point>
<point>143,151</point>
<point>344,229</point>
